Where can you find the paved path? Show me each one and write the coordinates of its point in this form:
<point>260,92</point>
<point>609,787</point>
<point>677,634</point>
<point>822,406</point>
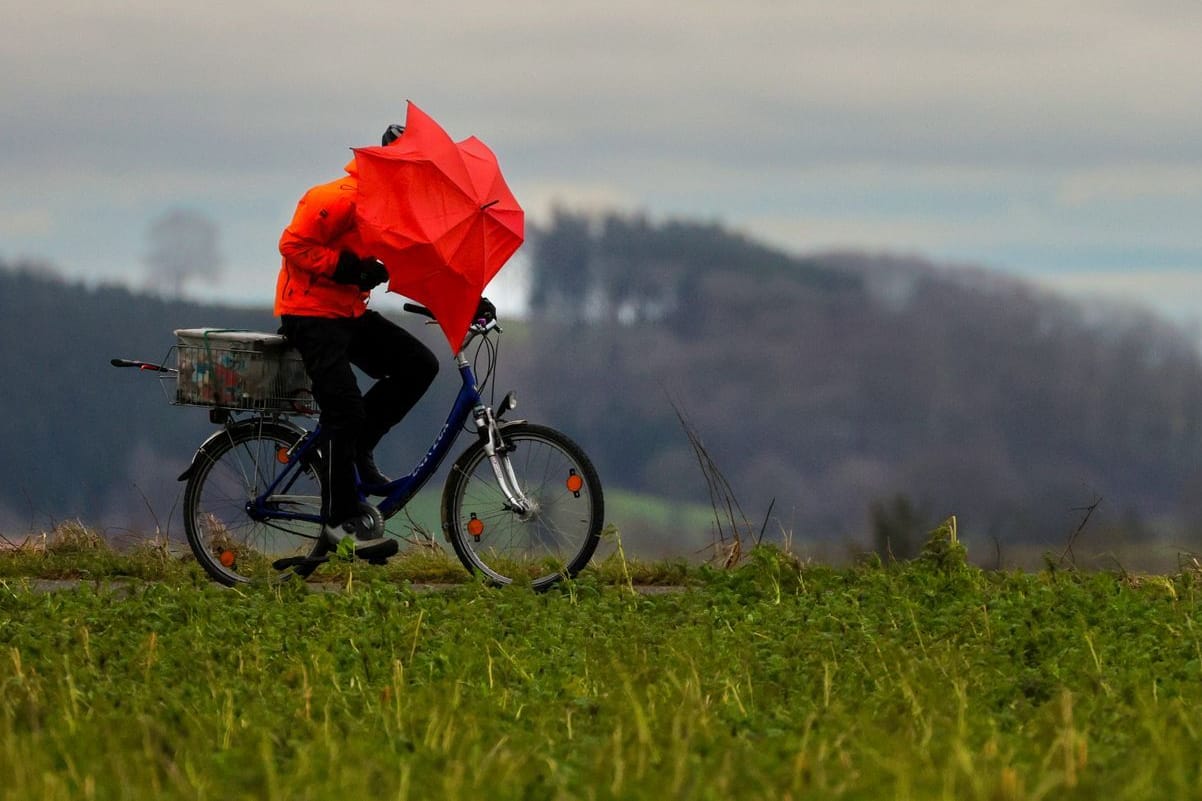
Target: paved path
<point>119,586</point>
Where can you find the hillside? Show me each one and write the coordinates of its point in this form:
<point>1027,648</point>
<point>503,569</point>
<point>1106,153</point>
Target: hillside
<point>838,382</point>
<point>832,384</point>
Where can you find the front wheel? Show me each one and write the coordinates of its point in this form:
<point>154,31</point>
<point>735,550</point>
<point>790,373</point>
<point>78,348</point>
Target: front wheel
<point>553,537</point>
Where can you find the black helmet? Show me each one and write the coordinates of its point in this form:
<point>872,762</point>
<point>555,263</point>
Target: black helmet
<point>391,134</point>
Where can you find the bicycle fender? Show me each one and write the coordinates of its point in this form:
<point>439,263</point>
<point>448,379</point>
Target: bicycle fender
<point>217,435</point>
<point>501,426</point>
<point>482,433</point>
<point>204,448</point>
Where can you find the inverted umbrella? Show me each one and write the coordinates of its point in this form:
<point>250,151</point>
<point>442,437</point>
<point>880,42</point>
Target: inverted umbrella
<point>440,216</point>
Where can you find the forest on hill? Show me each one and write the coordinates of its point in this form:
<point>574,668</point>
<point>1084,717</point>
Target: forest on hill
<point>844,384</point>
<point>843,390</point>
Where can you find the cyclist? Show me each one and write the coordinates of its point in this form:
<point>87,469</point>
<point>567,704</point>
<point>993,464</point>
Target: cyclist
<point>321,298</point>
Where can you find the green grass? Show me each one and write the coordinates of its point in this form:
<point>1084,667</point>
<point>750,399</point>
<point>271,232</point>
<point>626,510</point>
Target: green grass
<point>73,551</point>
<point>652,527</point>
<point>929,679</point>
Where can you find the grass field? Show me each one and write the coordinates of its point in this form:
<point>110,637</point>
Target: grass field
<point>929,679</point>
<point>651,527</point>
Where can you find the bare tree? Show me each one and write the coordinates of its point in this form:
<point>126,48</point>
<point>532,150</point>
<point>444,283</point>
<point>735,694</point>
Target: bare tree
<point>184,244</point>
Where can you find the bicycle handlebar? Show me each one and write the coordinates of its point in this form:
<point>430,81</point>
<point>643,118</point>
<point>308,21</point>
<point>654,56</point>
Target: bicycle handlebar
<point>416,309</point>
<point>476,327</point>
<point>158,368</point>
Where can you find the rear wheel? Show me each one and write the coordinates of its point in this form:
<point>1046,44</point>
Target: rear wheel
<point>231,470</point>
<point>552,539</point>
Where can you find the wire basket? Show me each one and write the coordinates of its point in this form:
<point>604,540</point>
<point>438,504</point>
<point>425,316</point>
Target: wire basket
<point>245,370</point>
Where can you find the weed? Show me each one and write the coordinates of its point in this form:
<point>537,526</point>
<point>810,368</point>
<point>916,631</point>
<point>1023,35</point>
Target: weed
<point>776,679</point>
<point>73,537</point>
<point>943,550</point>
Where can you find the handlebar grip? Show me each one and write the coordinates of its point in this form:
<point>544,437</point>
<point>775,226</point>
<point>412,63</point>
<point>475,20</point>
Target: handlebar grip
<point>416,309</point>
<point>158,368</point>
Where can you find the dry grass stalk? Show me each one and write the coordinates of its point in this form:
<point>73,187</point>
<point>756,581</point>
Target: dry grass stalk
<point>730,523</point>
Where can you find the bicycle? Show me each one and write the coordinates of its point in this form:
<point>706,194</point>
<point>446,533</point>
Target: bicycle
<point>521,503</point>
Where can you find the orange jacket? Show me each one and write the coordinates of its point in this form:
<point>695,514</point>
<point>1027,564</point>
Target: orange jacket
<point>322,227</point>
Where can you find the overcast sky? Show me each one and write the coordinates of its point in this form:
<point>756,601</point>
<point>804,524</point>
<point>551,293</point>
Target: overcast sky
<point>1058,140</point>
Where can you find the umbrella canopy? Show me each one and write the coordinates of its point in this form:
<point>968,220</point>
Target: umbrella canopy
<point>439,215</point>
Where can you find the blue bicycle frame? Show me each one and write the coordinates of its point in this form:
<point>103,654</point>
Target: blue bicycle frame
<point>467,402</point>
<point>401,490</point>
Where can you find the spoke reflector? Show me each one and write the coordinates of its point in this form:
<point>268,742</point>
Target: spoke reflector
<point>475,527</point>
<point>281,455</point>
<point>574,483</point>
<point>226,558</point>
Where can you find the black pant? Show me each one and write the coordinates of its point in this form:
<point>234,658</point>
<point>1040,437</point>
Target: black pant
<point>353,423</point>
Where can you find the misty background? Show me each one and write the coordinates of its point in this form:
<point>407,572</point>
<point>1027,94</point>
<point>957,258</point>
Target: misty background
<point>1055,141</point>
<point>1007,196</point>
<point>852,401</point>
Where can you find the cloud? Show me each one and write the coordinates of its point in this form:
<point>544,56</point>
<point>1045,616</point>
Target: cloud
<point>753,83</point>
<point>25,222</point>
<point>540,199</point>
<point>1170,291</point>
<point>983,131</point>
<point>1123,182</point>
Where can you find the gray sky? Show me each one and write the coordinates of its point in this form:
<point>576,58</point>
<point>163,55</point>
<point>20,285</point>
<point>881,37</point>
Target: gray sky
<point>1058,140</point>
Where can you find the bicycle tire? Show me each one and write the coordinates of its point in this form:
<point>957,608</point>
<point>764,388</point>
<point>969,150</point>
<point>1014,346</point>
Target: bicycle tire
<point>555,540</point>
<point>228,471</point>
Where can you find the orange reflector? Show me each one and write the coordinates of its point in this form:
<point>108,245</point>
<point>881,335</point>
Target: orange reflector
<point>281,455</point>
<point>475,527</point>
<point>226,558</point>
<point>574,483</point>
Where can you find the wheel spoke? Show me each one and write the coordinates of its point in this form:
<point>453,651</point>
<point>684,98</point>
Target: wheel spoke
<point>228,543</point>
<point>557,535</point>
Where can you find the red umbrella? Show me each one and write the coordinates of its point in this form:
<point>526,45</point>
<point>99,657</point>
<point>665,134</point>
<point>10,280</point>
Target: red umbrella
<point>440,217</point>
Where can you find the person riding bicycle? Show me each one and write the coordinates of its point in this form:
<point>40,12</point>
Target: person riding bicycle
<point>321,298</point>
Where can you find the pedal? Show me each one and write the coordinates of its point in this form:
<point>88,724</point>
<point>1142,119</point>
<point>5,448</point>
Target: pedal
<point>378,554</point>
<point>298,561</point>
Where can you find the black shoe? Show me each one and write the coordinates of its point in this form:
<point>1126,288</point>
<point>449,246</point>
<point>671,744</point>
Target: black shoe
<point>369,474</point>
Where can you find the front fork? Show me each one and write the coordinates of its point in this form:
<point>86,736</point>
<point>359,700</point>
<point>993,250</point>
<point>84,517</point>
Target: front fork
<point>498,458</point>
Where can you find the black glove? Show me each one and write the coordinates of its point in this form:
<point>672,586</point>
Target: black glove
<point>486,311</point>
<point>347,271</point>
<point>363,273</point>
<point>372,274</point>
